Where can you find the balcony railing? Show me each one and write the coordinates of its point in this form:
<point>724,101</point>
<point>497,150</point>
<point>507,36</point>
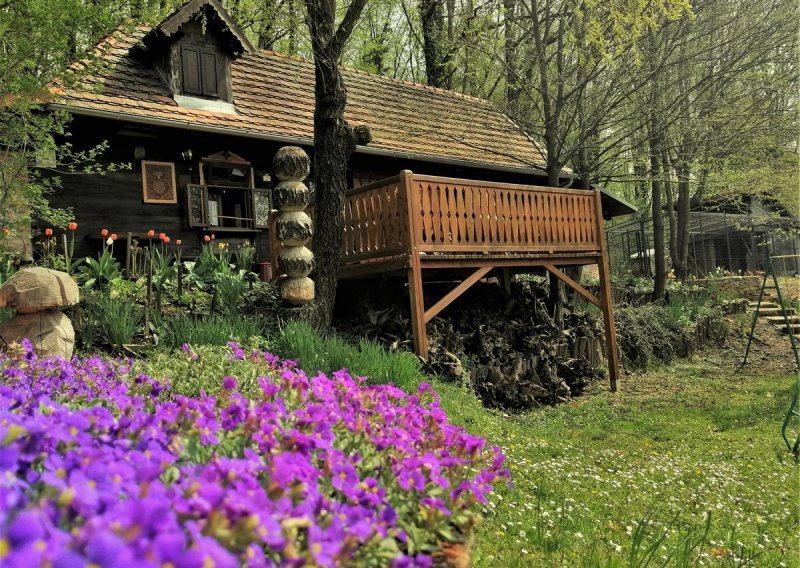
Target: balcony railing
<point>429,214</point>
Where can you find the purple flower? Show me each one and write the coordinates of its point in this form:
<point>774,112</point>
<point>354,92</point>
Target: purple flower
<point>104,465</point>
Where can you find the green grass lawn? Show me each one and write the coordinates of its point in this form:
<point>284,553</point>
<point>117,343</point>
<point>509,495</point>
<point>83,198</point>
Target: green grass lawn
<point>684,467</point>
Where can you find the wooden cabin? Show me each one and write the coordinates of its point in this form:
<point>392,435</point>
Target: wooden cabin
<point>199,113</point>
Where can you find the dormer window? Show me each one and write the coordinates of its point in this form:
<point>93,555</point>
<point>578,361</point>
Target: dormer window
<point>192,52</point>
<point>200,71</point>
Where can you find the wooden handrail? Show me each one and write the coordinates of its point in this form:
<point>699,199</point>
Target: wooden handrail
<point>415,214</point>
<point>375,184</point>
<point>455,215</point>
<point>375,221</point>
<point>497,184</point>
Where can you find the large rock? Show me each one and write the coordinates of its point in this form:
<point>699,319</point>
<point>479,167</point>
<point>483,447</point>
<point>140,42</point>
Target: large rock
<point>50,332</point>
<point>37,289</point>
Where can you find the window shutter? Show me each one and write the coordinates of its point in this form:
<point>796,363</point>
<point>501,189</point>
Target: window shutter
<point>196,205</point>
<point>190,69</point>
<point>262,205</point>
<point>209,73</point>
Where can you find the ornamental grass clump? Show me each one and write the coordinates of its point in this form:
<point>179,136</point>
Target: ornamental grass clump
<point>103,465</point>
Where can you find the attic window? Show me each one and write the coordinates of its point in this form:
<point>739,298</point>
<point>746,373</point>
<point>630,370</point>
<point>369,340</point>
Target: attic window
<point>200,71</point>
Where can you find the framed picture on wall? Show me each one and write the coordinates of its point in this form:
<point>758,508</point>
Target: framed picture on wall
<point>158,182</point>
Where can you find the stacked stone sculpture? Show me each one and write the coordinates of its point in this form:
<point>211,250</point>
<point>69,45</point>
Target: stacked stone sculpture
<point>38,294</point>
<point>294,227</point>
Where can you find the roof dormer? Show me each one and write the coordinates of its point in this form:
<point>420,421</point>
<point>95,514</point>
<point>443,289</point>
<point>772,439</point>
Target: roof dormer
<point>192,52</point>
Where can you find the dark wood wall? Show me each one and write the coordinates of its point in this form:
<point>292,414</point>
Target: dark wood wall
<point>114,201</point>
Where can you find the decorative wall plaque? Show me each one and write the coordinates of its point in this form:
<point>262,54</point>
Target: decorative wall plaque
<point>158,182</point>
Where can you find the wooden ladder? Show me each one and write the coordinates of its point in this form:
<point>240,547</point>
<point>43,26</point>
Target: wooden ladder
<point>794,408</point>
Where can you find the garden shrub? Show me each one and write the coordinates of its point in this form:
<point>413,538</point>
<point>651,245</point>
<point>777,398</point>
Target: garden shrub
<point>653,333</point>
<point>299,341</point>
<point>647,334</point>
<point>104,465</point>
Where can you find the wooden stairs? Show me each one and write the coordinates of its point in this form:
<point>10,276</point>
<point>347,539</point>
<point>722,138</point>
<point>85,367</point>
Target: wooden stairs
<point>771,312</point>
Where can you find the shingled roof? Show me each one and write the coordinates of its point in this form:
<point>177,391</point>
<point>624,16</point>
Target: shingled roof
<point>274,99</point>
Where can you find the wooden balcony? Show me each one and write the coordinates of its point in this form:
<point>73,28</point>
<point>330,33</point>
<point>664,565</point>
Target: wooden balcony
<point>420,223</point>
<point>441,219</point>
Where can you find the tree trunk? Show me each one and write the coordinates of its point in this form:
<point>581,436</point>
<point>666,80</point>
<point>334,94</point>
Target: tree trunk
<point>513,87</point>
<point>334,142</point>
<point>660,275</point>
<point>332,148</point>
<point>431,14</point>
<point>666,168</point>
<point>292,24</point>
<point>684,206</point>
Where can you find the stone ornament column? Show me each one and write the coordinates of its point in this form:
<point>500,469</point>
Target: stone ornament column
<point>291,166</point>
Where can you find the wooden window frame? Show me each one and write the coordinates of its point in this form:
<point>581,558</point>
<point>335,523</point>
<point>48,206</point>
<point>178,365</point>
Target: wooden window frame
<point>249,190</point>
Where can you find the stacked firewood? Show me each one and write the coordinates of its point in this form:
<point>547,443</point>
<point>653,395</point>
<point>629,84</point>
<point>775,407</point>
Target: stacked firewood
<point>515,355</point>
<point>507,347</point>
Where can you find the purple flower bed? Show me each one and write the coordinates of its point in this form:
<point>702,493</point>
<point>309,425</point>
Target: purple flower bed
<point>105,466</point>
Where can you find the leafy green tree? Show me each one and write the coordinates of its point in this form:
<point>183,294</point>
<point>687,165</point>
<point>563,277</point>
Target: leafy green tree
<point>39,40</point>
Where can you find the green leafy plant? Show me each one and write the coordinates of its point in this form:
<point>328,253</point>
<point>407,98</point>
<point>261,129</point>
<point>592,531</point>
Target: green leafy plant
<point>114,320</point>
<point>100,272</point>
<point>209,330</point>
<point>230,285</point>
<point>200,273</point>
<point>164,272</point>
<point>299,341</point>
<point>244,258</point>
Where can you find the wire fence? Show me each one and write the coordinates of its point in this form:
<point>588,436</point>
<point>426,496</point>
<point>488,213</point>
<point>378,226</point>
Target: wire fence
<point>719,243</point>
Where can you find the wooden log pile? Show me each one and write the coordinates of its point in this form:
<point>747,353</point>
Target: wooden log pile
<point>507,347</point>
<point>516,356</point>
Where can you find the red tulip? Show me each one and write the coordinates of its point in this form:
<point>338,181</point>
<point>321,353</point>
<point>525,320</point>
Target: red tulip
<point>104,232</point>
<point>179,242</point>
<point>72,226</point>
<point>113,236</point>
<point>151,233</point>
<point>48,232</point>
<point>206,238</point>
<point>161,236</point>
<point>166,239</point>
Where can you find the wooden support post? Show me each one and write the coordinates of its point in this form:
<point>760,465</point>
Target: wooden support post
<point>453,294</point>
<point>417,301</point>
<point>552,269</point>
<point>149,294</point>
<point>506,277</point>
<point>607,300</point>
<point>128,239</point>
<point>415,290</point>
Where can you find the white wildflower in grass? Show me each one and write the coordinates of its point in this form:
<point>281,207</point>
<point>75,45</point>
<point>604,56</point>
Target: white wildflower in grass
<point>658,469</point>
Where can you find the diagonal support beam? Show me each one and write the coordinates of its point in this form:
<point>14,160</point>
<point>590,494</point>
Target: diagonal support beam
<point>456,292</point>
<point>572,284</point>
